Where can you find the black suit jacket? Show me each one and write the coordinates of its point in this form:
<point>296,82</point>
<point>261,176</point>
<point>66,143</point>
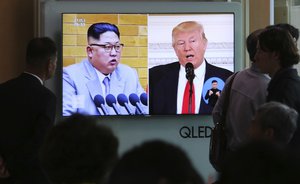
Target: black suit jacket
<point>27,112</point>
<point>284,87</point>
<point>163,84</point>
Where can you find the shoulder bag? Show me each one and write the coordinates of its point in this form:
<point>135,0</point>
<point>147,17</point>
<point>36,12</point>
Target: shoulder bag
<point>218,140</point>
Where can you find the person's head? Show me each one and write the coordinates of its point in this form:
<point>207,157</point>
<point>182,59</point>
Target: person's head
<point>155,162</point>
<point>258,162</point>
<point>41,57</point>
<point>189,43</point>
<point>79,150</point>
<point>275,50</point>
<point>104,47</point>
<point>214,84</point>
<point>251,43</point>
<point>291,29</point>
<point>274,122</point>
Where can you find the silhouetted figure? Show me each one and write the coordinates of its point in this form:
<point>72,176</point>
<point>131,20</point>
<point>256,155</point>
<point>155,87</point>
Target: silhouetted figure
<point>277,54</point>
<point>155,162</point>
<point>260,163</point>
<point>274,122</point>
<point>27,111</point>
<point>78,150</point>
<point>248,92</point>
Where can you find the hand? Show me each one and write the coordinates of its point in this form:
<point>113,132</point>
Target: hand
<point>218,94</point>
<point>210,92</point>
<point>3,171</point>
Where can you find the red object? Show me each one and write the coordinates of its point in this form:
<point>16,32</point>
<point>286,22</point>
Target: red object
<point>185,103</point>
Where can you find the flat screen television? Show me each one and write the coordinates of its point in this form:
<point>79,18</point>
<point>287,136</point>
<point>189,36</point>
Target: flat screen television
<point>146,32</point>
<point>190,132</point>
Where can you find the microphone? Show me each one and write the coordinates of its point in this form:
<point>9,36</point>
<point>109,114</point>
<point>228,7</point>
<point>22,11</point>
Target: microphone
<point>99,102</point>
<point>143,98</point>
<point>135,101</point>
<point>189,70</point>
<point>123,101</point>
<point>111,101</point>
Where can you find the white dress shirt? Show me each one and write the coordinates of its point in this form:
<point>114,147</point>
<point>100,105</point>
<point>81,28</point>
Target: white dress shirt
<point>198,83</point>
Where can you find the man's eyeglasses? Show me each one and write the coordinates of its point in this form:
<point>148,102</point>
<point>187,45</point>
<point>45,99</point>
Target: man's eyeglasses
<point>108,47</point>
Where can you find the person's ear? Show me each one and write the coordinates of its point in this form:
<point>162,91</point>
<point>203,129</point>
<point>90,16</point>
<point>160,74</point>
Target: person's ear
<point>89,51</point>
<point>205,43</point>
<point>276,56</point>
<point>51,67</point>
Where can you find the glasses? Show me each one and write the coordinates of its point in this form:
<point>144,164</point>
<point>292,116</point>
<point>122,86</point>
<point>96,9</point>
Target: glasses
<point>108,47</point>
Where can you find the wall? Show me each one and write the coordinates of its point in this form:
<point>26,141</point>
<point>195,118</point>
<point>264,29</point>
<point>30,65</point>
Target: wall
<point>17,28</point>
<point>259,14</point>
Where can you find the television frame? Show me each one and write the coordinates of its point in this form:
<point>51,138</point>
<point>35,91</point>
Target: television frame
<point>51,11</point>
<point>132,130</point>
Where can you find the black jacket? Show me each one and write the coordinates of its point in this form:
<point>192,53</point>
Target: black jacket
<point>27,112</point>
<point>284,87</point>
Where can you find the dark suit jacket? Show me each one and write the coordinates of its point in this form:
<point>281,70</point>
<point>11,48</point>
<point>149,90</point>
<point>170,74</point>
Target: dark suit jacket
<point>27,112</point>
<point>163,83</point>
<point>284,87</point>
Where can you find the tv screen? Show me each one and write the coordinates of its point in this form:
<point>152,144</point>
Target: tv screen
<point>148,54</point>
<point>153,47</point>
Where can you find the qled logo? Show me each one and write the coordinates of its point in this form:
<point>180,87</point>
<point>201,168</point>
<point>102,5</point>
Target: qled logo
<point>195,132</point>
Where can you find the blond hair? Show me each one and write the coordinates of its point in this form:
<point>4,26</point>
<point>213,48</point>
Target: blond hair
<point>186,27</point>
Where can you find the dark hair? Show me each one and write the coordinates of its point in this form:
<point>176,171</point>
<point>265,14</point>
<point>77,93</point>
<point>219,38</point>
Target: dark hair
<point>152,162</point>
<point>281,118</point>
<point>79,150</point>
<point>276,39</point>
<point>214,81</point>
<point>40,50</point>
<point>252,43</point>
<point>95,30</point>
<point>291,29</point>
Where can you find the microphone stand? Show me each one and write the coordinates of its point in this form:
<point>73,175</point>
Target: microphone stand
<point>190,96</point>
<point>189,69</point>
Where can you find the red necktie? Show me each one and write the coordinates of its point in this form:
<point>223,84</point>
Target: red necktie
<point>185,103</point>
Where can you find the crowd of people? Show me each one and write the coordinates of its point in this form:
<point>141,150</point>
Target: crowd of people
<point>262,120</point>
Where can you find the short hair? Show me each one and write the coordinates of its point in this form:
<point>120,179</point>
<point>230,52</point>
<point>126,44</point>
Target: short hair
<point>95,30</point>
<point>276,39</point>
<point>188,26</point>
<point>291,29</point>
<point>79,150</point>
<point>251,43</point>
<point>154,161</point>
<point>280,117</point>
<point>213,81</point>
<point>40,50</point>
